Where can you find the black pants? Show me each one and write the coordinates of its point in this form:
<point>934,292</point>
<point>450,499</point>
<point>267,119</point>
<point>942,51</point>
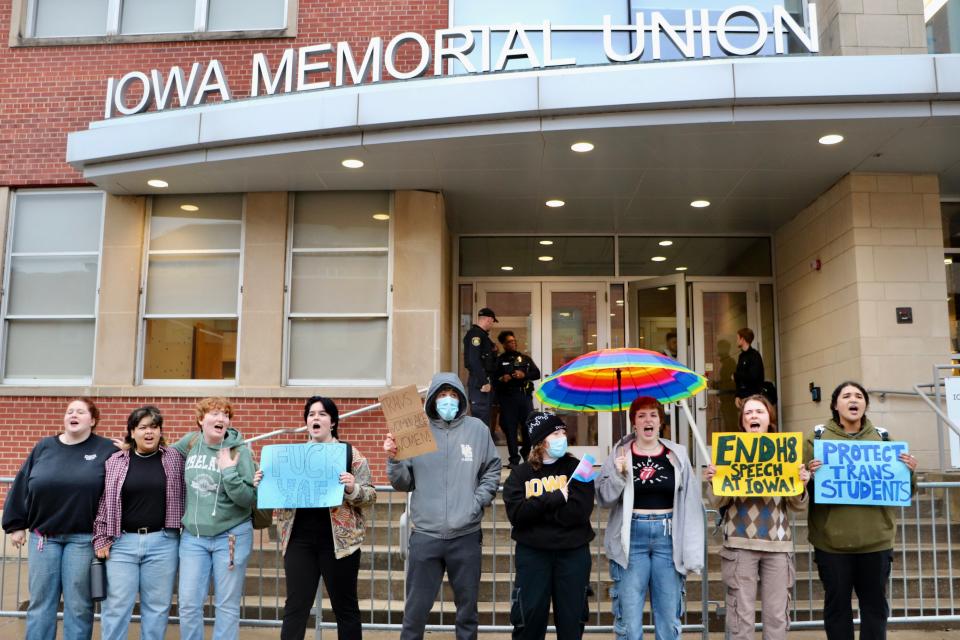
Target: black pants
<point>562,576</point>
<point>514,409</point>
<point>480,403</point>
<point>865,573</point>
<point>428,558</point>
<point>304,564</point>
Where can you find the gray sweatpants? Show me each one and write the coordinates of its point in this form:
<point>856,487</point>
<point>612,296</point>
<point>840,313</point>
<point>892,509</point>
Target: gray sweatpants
<point>428,558</point>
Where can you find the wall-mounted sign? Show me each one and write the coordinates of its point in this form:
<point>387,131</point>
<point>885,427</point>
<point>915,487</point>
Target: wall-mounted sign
<point>741,30</point>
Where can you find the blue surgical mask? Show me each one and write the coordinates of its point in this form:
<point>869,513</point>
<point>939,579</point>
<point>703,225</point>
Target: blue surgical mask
<point>447,407</point>
<point>557,447</point>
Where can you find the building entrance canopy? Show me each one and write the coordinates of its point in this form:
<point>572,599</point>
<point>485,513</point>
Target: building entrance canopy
<point>739,133</point>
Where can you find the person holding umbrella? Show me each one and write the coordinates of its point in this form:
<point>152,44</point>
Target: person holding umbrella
<point>654,536</point>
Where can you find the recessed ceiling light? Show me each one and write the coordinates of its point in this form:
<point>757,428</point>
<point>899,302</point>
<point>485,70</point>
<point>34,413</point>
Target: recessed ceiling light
<point>546,243</point>
<point>545,258</point>
<point>662,288</point>
<point>665,243</point>
<point>948,261</point>
<point>619,303</point>
<point>593,335</point>
<point>700,204</point>
<point>613,315</point>
<point>582,147</point>
<point>555,203</point>
<point>564,314</point>
<point>589,344</point>
<point>159,184</point>
<point>833,138</point>
<point>506,267</point>
<point>352,163</point>
<point>381,216</point>
<point>680,269</point>
<point>657,259</point>
<point>189,207</point>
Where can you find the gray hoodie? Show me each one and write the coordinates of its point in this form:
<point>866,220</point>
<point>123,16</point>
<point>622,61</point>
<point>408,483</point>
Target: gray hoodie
<point>450,486</point>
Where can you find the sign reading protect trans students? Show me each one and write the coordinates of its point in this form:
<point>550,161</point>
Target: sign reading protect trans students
<point>757,464</point>
<point>864,473</point>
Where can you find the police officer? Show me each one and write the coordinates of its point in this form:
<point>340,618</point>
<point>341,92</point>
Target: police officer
<point>514,388</point>
<point>479,358</point>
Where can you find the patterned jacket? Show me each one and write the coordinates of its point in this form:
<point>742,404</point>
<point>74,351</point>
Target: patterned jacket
<point>347,519</point>
<point>106,526</point>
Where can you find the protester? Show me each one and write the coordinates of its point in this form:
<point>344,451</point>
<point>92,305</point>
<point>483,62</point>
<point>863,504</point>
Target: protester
<point>325,542</point>
<point>54,497</point>
<point>450,488</point>
<point>137,529</point>
<point>654,536</point>
<point>757,543</point>
<point>551,526</point>
<point>217,532</point>
<point>853,544</point>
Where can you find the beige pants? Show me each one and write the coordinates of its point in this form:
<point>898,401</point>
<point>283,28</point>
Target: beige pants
<point>742,571</point>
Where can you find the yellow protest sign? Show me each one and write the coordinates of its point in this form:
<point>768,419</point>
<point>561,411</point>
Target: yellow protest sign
<point>757,464</point>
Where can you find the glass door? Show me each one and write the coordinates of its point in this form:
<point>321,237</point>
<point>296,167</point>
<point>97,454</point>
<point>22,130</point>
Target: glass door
<point>719,310</point>
<point>572,325</point>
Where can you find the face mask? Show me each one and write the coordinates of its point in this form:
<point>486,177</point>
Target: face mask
<point>557,447</point>
<point>447,407</point>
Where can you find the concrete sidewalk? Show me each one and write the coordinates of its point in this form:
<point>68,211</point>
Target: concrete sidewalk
<point>14,628</point>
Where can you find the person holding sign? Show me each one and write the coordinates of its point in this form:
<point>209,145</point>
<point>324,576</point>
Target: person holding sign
<point>757,543</point>
<point>654,536</point>
<point>325,541</point>
<point>551,525</point>
<point>853,544</point>
<point>450,488</point>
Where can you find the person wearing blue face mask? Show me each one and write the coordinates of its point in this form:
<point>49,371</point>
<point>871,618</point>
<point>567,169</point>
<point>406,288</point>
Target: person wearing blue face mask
<point>551,526</point>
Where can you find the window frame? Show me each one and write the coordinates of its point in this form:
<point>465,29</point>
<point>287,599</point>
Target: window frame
<point>289,317</point>
<point>144,316</point>
<point>23,27</point>
<point>5,316</point>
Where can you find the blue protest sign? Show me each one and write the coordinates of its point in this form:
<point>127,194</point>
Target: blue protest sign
<point>864,473</point>
<point>297,476</point>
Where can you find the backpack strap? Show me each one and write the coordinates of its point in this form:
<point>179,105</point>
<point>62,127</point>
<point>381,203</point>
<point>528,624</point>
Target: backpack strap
<point>818,431</point>
<point>349,457</point>
<point>884,434</point>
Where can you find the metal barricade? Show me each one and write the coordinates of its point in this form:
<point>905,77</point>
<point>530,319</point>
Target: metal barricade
<point>923,585</point>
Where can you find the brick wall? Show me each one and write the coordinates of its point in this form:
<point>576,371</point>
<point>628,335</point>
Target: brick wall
<point>24,420</point>
<point>46,92</point>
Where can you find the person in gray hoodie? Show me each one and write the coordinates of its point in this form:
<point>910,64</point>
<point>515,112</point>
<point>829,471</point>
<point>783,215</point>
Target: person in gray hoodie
<point>450,488</point>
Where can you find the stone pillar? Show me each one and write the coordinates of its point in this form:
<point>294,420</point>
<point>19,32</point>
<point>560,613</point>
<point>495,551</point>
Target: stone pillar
<point>421,287</point>
<point>260,350</point>
<point>118,313</point>
<point>871,27</point>
<point>879,244</point>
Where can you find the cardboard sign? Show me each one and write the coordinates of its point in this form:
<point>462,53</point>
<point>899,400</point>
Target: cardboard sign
<point>408,422</point>
<point>757,464</point>
<point>297,476</point>
<point>866,473</point>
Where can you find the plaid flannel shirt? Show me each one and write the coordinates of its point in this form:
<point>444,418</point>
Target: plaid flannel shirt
<point>106,527</point>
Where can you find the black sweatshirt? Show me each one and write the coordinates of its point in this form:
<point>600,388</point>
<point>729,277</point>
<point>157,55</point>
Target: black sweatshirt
<point>541,518</point>
<point>58,488</point>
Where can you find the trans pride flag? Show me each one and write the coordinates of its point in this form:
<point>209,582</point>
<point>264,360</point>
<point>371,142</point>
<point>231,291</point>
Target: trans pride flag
<point>584,471</point>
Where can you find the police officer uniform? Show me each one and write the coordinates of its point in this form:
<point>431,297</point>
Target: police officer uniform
<point>479,358</point>
<point>515,397</point>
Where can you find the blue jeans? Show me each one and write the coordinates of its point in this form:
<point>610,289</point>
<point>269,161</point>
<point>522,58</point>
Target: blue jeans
<point>60,564</point>
<point>649,568</point>
<point>201,556</point>
<point>144,564</point>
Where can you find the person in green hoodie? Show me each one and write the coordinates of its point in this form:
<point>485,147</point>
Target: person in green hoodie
<point>217,532</point>
<point>853,544</point>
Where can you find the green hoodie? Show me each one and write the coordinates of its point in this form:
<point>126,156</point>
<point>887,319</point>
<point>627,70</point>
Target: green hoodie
<point>847,528</point>
<point>215,501</point>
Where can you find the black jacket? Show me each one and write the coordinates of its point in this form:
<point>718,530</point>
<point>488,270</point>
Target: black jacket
<point>749,374</point>
<point>541,518</point>
<point>511,361</point>
<point>479,357</point>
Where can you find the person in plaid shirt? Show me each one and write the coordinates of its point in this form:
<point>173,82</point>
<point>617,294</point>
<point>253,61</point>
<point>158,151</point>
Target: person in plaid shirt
<point>137,528</point>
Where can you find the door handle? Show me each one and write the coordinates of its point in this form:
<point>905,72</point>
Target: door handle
<point>701,408</point>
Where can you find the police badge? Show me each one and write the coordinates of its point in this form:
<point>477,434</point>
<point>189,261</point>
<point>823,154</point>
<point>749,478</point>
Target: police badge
<point>476,341</point>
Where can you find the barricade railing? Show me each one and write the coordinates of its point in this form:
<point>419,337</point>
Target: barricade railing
<point>923,585</point>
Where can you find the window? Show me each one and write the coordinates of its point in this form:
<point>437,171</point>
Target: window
<point>191,295</point>
<point>97,18</point>
<point>338,274</point>
<point>517,256</point>
<point>51,279</point>
<point>943,25</point>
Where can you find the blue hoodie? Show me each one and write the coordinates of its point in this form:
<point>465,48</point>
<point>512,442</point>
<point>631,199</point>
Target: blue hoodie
<point>450,486</point>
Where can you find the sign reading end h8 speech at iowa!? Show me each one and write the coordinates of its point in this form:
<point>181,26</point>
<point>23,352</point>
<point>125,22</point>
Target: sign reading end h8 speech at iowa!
<point>407,422</point>
<point>867,473</point>
<point>757,464</point>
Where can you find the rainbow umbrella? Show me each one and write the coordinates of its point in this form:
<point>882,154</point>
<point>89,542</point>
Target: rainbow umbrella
<point>602,380</point>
